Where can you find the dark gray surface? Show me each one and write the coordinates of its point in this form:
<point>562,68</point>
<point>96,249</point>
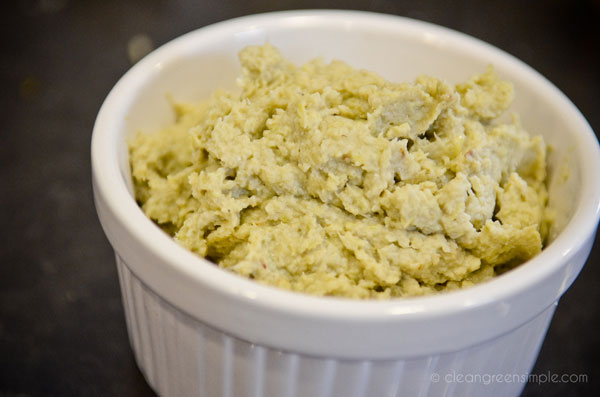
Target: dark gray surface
<point>62,329</point>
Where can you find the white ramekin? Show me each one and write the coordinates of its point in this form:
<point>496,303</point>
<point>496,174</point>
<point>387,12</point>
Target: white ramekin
<point>199,330</point>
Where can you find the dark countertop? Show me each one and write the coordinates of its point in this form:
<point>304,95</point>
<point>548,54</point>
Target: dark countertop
<point>62,329</point>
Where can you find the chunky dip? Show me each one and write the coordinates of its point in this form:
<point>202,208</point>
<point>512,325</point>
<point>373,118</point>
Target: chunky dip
<point>332,181</point>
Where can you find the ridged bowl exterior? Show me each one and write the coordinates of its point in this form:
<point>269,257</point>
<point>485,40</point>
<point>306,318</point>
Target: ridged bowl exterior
<point>181,356</point>
<point>197,330</point>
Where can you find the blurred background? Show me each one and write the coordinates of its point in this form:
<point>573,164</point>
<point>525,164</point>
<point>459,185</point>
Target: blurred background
<point>62,328</point>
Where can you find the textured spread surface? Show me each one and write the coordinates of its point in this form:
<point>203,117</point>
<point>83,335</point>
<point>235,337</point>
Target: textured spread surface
<point>332,181</point>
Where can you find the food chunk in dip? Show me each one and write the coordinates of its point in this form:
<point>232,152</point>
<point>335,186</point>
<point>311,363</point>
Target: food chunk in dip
<point>329,180</point>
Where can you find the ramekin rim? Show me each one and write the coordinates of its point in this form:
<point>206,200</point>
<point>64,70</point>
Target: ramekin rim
<point>581,225</point>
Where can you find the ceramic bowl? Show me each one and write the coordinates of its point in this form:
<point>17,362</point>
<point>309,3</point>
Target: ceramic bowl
<point>196,329</point>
